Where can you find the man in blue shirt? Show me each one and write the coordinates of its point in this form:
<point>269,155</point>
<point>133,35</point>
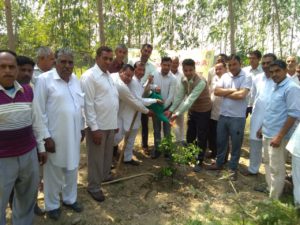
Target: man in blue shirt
<point>281,114</point>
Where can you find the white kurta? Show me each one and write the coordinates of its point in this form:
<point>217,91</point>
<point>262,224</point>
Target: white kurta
<point>216,100</point>
<point>61,104</point>
<point>128,103</point>
<point>293,145</point>
<point>261,93</point>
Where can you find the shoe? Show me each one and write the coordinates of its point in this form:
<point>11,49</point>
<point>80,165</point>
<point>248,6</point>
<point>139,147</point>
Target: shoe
<point>197,168</point>
<point>109,178</point>
<point>38,211</point>
<point>132,162</point>
<point>248,173</point>
<point>146,150</point>
<point>261,188</point>
<point>234,175</point>
<point>98,196</point>
<point>75,206</point>
<point>214,167</point>
<point>54,214</point>
<point>155,154</point>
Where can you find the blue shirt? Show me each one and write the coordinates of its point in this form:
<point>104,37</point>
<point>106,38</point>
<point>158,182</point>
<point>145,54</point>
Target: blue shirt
<point>284,102</point>
<point>232,107</point>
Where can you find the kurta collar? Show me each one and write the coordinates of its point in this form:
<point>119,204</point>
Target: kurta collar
<point>97,68</point>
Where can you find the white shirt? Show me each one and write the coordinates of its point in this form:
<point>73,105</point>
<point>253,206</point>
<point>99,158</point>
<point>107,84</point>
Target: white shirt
<point>293,145</point>
<point>252,73</point>
<point>261,93</point>
<point>149,69</point>
<point>36,73</point>
<point>128,103</point>
<point>101,99</point>
<point>62,104</point>
<point>137,90</point>
<point>216,100</point>
<point>167,85</point>
<point>295,78</point>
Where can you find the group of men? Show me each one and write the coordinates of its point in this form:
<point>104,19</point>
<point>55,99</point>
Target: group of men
<point>46,112</point>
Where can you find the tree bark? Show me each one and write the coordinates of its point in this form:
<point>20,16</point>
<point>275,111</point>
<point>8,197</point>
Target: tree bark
<point>278,26</point>
<point>9,26</point>
<point>232,26</point>
<point>101,22</point>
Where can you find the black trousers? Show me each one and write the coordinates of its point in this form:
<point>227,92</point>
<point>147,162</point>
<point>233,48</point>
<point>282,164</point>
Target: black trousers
<point>212,137</point>
<point>144,121</point>
<point>197,130</point>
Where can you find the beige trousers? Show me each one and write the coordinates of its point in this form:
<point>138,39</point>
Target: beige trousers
<point>274,160</point>
<point>99,158</point>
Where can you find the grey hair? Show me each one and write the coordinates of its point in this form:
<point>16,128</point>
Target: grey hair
<point>174,57</point>
<point>63,51</point>
<point>121,46</point>
<point>43,51</point>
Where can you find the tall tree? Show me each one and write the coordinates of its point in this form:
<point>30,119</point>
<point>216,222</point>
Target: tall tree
<point>9,26</point>
<point>101,22</point>
<point>232,26</point>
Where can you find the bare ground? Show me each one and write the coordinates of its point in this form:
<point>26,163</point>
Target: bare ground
<point>152,201</point>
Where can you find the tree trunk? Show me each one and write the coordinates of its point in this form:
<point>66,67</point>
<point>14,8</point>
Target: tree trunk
<point>101,22</point>
<point>9,26</point>
<point>278,26</point>
<point>232,26</point>
<point>294,3</point>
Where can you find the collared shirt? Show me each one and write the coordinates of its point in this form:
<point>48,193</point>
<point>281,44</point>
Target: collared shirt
<point>62,105</point>
<point>32,116</point>
<point>149,69</point>
<point>101,99</point>
<point>232,107</point>
<point>253,72</point>
<point>284,102</point>
<point>180,107</point>
<point>115,66</point>
<point>167,84</point>
<point>216,100</point>
<point>262,87</point>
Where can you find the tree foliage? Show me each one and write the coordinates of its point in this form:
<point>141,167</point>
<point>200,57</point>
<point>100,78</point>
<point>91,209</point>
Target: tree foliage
<point>268,25</point>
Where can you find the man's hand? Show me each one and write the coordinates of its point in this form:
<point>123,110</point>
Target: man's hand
<point>159,101</point>
<point>150,78</point>
<point>49,145</point>
<point>42,156</point>
<point>168,113</point>
<point>259,134</point>
<point>82,135</point>
<point>157,89</point>
<point>97,136</point>
<point>173,117</point>
<point>275,142</point>
<point>150,113</point>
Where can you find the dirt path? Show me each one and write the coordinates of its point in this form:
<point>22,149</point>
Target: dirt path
<point>145,200</point>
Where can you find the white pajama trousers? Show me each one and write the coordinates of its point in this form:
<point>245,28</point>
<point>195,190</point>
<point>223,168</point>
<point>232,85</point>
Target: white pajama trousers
<point>255,155</point>
<point>128,153</point>
<point>296,179</point>
<point>59,180</point>
<point>274,159</point>
<point>179,129</point>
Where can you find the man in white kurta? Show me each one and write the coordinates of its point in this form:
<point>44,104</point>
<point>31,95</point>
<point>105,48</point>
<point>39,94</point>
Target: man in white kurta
<point>101,111</point>
<point>293,147</point>
<point>179,129</point>
<point>262,86</point>
<point>61,100</point>
<point>128,105</point>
